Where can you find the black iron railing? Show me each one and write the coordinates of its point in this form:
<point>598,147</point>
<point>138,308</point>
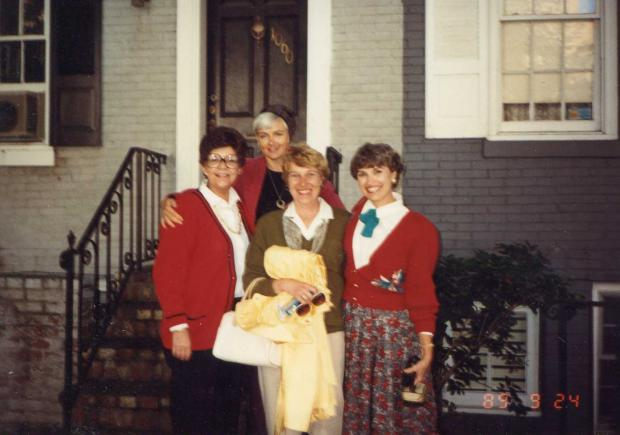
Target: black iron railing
<point>121,237</point>
<point>334,158</point>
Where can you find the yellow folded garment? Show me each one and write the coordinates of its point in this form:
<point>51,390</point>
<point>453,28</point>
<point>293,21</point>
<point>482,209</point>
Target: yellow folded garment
<point>308,383</point>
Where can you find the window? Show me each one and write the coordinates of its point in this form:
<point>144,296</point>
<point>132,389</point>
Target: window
<point>24,66</point>
<point>485,395</point>
<point>606,326</point>
<point>50,78</point>
<point>522,70</point>
<point>549,70</point>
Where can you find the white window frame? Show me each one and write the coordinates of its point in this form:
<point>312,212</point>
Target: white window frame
<point>472,401</point>
<point>31,153</point>
<point>605,101</point>
<point>599,291</point>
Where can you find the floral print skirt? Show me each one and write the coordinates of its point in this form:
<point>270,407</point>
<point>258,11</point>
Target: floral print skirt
<point>378,344</point>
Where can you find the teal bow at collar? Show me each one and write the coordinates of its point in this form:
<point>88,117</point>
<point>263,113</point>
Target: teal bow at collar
<point>370,221</point>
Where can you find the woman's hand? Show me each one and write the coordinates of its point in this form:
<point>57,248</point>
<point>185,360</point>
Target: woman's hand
<point>181,345</point>
<point>424,364</point>
<point>169,216</point>
<point>299,290</point>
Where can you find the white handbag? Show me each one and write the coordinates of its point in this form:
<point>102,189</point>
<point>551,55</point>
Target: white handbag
<point>235,344</point>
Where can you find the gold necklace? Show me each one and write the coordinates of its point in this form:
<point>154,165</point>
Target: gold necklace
<point>279,202</point>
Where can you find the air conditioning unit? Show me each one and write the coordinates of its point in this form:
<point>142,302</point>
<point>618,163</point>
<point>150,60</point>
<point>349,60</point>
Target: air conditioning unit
<point>21,116</point>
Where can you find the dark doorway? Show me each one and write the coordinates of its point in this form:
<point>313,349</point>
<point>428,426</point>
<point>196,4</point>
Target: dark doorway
<point>257,56</point>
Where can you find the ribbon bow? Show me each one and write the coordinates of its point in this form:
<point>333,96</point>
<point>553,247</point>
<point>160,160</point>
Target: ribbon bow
<point>370,221</point>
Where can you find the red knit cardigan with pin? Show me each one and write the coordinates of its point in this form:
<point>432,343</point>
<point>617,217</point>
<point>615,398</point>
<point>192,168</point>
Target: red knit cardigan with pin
<point>412,247</point>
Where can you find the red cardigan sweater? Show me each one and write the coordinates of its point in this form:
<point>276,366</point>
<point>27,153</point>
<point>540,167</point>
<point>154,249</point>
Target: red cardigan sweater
<point>194,271</point>
<point>250,183</point>
<point>412,247</point>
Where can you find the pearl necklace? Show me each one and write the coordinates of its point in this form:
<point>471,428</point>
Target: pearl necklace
<point>234,228</point>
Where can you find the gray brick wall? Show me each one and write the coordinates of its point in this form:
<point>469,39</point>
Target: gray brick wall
<point>41,204</point>
<point>367,79</point>
<point>568,206</point>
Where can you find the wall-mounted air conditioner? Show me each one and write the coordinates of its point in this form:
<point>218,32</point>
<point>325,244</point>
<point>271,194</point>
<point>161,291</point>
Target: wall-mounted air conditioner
<point>21,116</point>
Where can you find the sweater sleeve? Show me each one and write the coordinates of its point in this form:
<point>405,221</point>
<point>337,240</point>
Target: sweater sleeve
<point>328,193</point>
<point>254,259</point>
<point>171,268</point>
<point>420,295</point>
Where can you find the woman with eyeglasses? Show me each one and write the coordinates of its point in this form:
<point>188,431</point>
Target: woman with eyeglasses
<point>389,304</point>
<point>261,186</point>
<point>311,224</point>
<point>197,275</point>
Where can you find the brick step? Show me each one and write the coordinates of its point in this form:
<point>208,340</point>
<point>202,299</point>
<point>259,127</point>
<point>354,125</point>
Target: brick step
<point>135,359</point>
<point>138,310</point>
<point>124,407</point>
<point>140,287</point>
<point>134,370</point>
<point>136,319</point>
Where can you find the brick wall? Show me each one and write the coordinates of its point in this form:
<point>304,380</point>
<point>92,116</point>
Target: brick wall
<point>41,204</point>
<point>367,79</point>
<point>32,349</point>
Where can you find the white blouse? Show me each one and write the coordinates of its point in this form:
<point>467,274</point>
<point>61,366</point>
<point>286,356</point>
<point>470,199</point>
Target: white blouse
<point>389,216</point>
<point>229,216</point>
<point>325,213</point>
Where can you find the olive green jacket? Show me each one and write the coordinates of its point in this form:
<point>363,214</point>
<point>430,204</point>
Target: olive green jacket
<point>269,231</point>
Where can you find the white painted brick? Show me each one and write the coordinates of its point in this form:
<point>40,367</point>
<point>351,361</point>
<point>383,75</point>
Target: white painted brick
<point>138,109</point>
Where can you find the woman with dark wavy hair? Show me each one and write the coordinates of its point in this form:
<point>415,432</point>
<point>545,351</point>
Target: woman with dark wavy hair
<point>197,275</point>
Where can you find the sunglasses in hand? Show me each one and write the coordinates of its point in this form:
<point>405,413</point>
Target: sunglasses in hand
<point>296,306</point>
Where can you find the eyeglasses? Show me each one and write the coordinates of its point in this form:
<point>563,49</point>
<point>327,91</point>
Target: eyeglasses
<point>295,306</point>
<point>213,161</point>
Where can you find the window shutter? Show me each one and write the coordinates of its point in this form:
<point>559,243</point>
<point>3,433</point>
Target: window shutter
<point>456,68</point>
<point>76,73</point>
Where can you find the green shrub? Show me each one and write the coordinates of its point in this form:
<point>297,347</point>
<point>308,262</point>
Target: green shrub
<point>478,295</point>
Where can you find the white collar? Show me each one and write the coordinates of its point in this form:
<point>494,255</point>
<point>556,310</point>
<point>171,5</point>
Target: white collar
<point>325,211</point>
<point>214,200</point>
<point>388,209</point>
<point>324,214</point>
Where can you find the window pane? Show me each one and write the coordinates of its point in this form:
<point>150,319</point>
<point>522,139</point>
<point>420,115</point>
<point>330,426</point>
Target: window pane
<point>578,87</point>
<point>547,112</point>
<point>10,60</point>
<point>579,111</point>
<point>516,47</point>
<point>517,7</point>
<point>547,50</point>
<point>34,61</point>
<point>9,17</point>
<point>546,88</point>
<point>579,44</point>
<point>516,112</point>
<point>516,88</point>
<point>549,7</point>
<point>580,6</point>
<point>33,17</point>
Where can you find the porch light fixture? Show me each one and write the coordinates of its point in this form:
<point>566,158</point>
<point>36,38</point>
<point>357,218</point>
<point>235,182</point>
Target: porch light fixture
<point>258,29</point>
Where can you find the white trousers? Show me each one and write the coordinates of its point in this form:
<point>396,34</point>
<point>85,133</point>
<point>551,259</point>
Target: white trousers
<point>269,380</point>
